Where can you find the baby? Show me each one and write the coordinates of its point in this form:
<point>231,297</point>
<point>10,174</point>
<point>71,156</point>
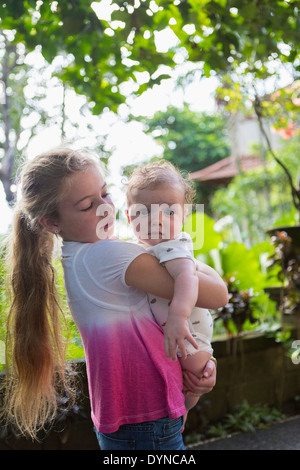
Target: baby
<point>156,198</point>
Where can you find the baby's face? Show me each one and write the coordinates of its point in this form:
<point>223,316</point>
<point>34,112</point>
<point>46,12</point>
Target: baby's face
<point>156,215</point>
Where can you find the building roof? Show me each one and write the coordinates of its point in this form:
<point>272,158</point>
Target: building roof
<point>223,171</point>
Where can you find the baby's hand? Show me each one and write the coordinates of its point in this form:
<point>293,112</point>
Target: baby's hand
<point>176,331</point>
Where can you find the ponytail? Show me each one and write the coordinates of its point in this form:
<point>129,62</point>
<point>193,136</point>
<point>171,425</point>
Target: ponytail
<point>35,348</point>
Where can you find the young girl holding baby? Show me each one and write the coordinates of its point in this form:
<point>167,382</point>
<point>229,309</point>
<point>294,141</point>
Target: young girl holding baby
<point>135,391</point>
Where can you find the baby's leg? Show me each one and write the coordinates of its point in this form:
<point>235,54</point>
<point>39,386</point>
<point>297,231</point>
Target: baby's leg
<point>194,363</point>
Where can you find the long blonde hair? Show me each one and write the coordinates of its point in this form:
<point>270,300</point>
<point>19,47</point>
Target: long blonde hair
<point>35,346</point>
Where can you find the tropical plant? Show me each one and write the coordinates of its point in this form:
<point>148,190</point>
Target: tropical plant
<point>261,114</point>
<point>238,311</point>
<point>260,198</point>
<point>286,257</point>
<point>241,268</point>
<point>246,418</point>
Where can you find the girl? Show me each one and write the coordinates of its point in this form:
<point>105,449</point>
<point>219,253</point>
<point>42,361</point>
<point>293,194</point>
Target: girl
<point>135,392</point>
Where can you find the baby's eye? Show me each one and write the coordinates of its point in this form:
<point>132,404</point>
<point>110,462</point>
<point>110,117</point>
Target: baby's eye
<point>169,212</point>
<point>144,211</point>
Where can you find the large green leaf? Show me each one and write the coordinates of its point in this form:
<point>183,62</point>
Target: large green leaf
<point>244,265</point>
<point>201,229</point>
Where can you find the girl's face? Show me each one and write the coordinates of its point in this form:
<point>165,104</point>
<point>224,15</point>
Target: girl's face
<point>86,211</point>
<point>156,215</point>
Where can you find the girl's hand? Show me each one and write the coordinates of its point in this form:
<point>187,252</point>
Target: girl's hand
<point>175,332</point>
<point>197,386</point>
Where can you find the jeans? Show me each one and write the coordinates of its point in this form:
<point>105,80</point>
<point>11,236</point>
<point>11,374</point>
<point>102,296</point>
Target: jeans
<point>162,434</point>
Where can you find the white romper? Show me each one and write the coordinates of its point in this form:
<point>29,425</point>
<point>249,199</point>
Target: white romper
<point>200,321</point>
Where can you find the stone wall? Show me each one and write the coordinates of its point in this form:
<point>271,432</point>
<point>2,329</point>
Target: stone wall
<point>253,368</point>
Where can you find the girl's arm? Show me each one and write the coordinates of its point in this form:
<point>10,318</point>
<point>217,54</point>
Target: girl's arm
<point>198,386</point>
<point>212,289</point>
<point>145,273</point>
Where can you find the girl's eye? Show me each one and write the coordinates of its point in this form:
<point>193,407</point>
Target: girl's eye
<point>88,208</point>
<point>105,195</point>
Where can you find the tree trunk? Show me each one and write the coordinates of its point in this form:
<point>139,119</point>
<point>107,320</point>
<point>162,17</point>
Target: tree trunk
<point>9,62</point>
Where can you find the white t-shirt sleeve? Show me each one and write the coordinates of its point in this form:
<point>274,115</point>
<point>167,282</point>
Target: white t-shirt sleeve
<point>180,247</point>
<point>100,269</point>
<point>116,256</point>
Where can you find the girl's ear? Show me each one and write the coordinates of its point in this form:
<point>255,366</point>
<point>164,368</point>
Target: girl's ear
<point>49,224</point>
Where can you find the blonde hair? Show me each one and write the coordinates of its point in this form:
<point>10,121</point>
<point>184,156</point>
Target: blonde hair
<point>154,174</point>
<point>35,345</point>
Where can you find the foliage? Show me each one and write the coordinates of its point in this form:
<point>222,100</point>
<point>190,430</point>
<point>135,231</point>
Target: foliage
<point>21,113</point>
<point>97,57</point>
<point>201,229</point>
<point>238,310</point>
<point>287,257</point>
<point>241,267</point>
<point>222,33</point>
<point>260,199</point>
<point>28,85</point>
<point>190,140</point>
<point>229,259</point>
<point>69,410</point>
<point>106,54</point>
<point>246,418</point>
<point>294,187</point>
<point>74,346</point>
<point>106,59</point>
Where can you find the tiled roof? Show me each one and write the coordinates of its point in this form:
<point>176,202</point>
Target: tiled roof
<point>224,170</point>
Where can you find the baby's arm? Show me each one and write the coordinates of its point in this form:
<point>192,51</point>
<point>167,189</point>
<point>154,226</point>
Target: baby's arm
<point>185,296</point>
<point>145,273</point>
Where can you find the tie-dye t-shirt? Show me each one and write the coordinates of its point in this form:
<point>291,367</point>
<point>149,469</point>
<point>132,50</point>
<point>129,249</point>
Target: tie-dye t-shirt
<point>130,379</point>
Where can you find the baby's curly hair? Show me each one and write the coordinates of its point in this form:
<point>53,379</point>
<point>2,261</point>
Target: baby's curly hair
<point>153,174</point>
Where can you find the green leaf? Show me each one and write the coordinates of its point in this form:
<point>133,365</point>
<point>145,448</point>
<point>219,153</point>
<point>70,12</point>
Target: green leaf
<point>201,229</point>
<point>244,265</point>
<point>223,3</point>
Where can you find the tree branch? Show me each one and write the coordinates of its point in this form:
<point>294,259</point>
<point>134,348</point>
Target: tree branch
<point>294,190</point>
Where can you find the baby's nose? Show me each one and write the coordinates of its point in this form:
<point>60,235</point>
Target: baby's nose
<point>156,218</point>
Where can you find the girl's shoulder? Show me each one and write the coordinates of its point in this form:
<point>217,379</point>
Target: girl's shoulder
<point>111,256</point>
<point>113,249</point>
<point>109,244</point>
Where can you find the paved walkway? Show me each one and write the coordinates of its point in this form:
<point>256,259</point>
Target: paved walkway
<point>281,436</point>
